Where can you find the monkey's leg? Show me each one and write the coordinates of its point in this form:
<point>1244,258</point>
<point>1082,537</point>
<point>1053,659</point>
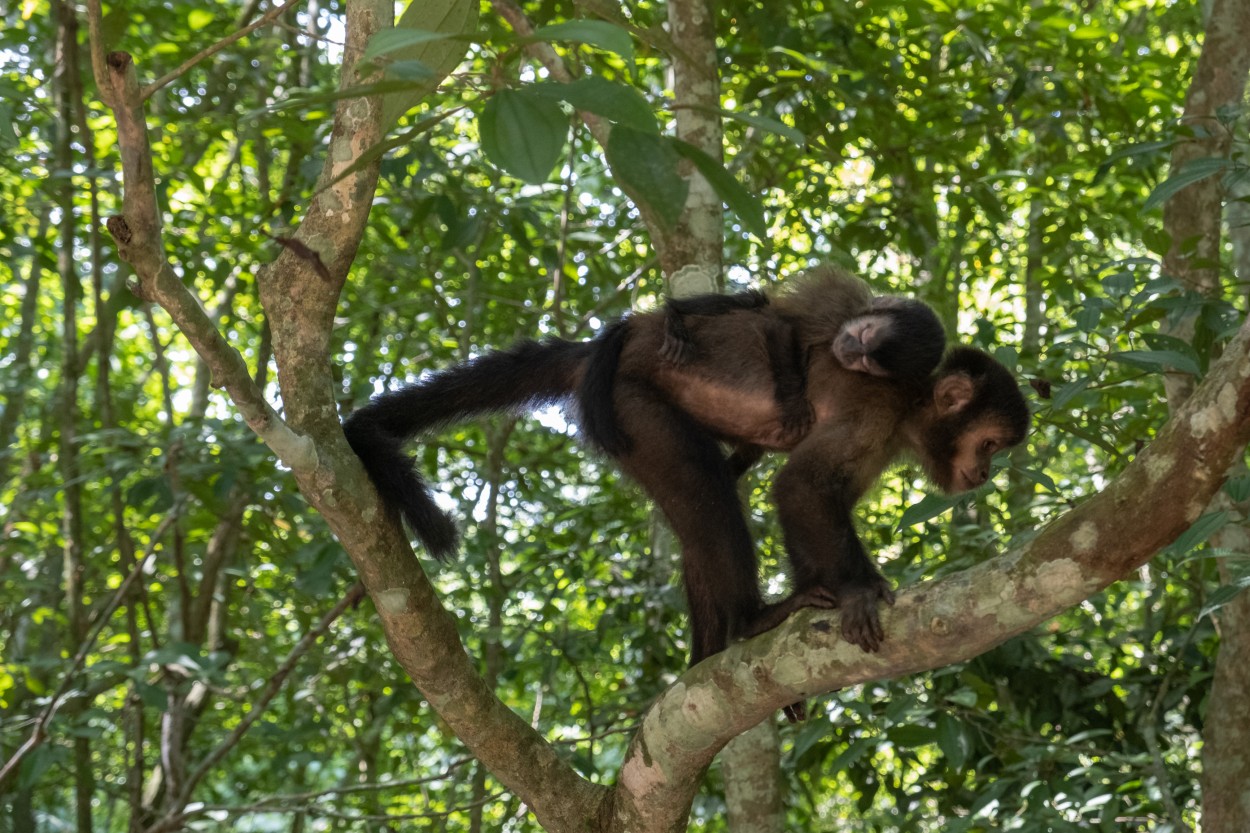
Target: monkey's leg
<point>815,493</point>
<point>684,471</point>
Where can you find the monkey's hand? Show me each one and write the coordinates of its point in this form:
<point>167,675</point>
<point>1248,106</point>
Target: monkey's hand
<point>676,346</point>
<point>861,617</point>
<point>773,614</point>
<point>796,421</point>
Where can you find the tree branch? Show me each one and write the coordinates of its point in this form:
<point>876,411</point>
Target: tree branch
<point>137,232</point>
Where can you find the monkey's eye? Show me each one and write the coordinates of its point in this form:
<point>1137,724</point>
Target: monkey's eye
<point>988,446</point>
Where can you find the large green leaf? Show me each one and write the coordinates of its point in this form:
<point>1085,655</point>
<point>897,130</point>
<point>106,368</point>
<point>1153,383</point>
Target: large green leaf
<point>954,740</point>
<point>1158,360</point>
<point>1195,170</point>
<point>740,201</point>
<point>648,164</point>
<point>523,133</point>
<point>417,36</point>
<point>927,508</point>
<point>594,32</point>
<point>616,102</point>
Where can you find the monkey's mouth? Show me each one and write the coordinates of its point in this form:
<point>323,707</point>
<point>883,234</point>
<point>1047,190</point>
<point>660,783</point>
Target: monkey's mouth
<point>966,482</point>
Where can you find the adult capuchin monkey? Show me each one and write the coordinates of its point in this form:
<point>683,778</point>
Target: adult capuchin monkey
<point>662,422</point>
<point>824,308</point>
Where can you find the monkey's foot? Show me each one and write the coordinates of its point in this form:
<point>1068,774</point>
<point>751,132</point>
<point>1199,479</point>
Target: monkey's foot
<point>796,712</point>
<point>676,347</point>
<point>772,615</point>
<point>861,616</point>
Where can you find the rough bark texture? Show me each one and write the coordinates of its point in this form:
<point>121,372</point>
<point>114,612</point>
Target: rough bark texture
<point>754,793</point>
<point>1226,731</point>
<point>1192,217</point>
<point>698,238</point>
<point>1193,220</point>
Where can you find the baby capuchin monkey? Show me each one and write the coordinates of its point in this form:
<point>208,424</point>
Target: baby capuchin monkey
<point>824,308</point>
<point>886,336</point>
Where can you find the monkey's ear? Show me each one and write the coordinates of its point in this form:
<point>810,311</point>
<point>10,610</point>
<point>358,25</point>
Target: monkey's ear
<point>952,393</point>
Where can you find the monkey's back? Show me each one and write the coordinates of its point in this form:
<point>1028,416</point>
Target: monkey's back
<point>820,301</point>
<point>724,383</point>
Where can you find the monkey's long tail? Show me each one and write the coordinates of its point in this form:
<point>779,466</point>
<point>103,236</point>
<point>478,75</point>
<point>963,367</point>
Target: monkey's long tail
<point>527,375</point>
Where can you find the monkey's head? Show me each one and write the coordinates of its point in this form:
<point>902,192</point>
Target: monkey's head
<point>976,411</point>
<point>899,339</point>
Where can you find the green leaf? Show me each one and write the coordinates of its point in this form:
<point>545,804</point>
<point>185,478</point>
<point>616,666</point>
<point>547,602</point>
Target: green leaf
<point>910,735</point>
<point>1039,477</point>
<point>409,71</point>
<point>37,763</point>
<point>855,750</point>
<point>1224,594</point>
<point>614,101</point>
<point>1069,392</point>
<point>1193,171</point>
<point>812,732</point>
<point>1158,360</point>
<point>1088,316</point>
<point>927,508</point>
<point>648,164</point>
<point>763,122</point>
<point>1090,33</point>
<point>740,201</point>
<point>1139,149</point>
<point>593,32</point>
<point>8,136</point>
<point>965,697</point>
<point>416,37</point>
<point>393,40</point>
<point>199,19</point>
<point>772,125</point>
<point>1118,284</point>
<point>1238,488</point>
<point>389,143</point>
<point>1008,355</point>
<point>953,740</point>
<point>523,133</point>
<point>154,697</point>
<point>386,87</point>
<point>1198,532</point>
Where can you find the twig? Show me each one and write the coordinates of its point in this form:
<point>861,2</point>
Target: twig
<point>146,92</point>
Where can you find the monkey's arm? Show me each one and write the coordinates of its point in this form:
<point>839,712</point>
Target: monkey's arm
<point>787,362</point>
<point>787,359</point>
<point>815,493</point>
<point>677,339</point>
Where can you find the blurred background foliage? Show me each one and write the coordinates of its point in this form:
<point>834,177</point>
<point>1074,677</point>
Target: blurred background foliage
<point>994,159</point>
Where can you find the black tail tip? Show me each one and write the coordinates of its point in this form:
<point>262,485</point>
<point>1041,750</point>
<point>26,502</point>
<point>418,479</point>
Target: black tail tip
<point>436,530</point>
